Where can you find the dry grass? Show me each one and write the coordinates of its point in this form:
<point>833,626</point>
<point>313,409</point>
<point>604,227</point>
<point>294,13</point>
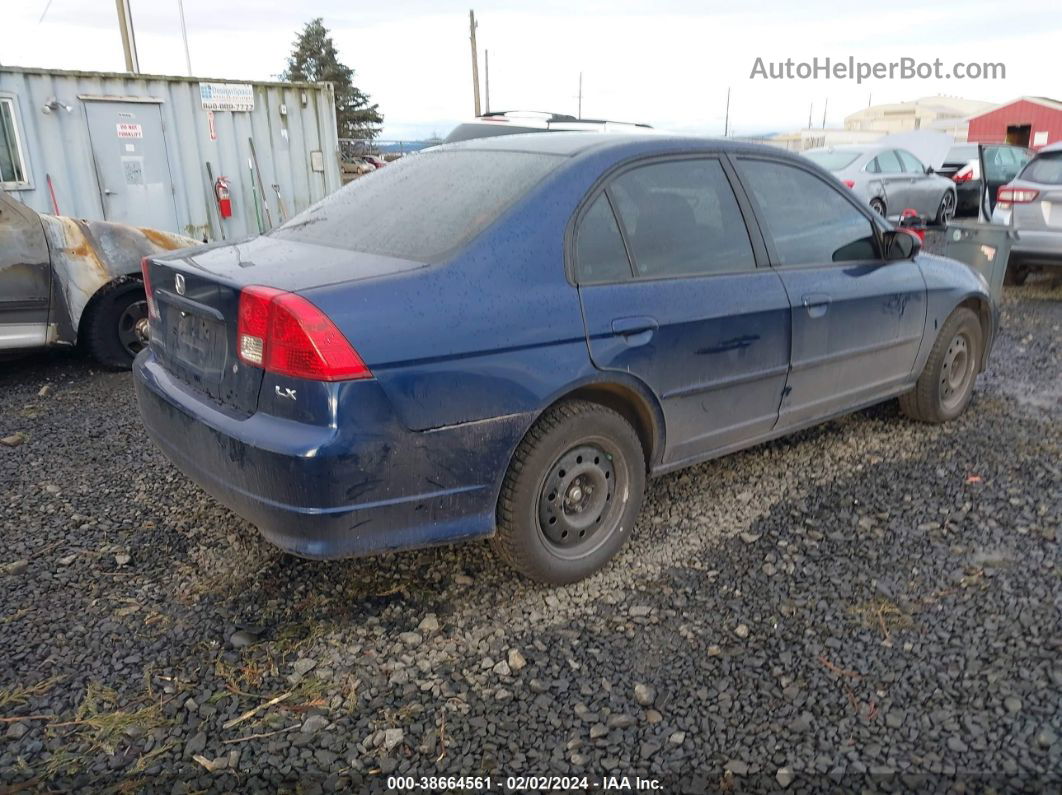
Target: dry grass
<point>105,722</point>
<point>17,696</point>
<point>882,615</point>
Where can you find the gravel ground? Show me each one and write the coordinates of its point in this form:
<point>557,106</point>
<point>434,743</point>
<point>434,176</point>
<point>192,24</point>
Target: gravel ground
<point>869,604</point>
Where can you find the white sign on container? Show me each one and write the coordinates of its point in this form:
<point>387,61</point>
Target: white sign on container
<point>129,130</point>
<point>227,96</point>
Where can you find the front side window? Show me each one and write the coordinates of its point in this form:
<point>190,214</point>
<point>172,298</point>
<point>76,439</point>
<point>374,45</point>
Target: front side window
<point>12,162</point>
<point>599,252</point>
<point>682,219</point>
<point>810,222</point>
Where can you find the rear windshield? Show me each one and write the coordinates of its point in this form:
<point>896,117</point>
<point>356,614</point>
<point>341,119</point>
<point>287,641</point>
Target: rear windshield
<point>961,154</point>
<point>466,132</point>
<point>422,206</point>
<point>1045,169</point>
<point>832,161</point>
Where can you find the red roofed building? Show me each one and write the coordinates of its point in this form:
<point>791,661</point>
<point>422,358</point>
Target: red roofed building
<point>1034,122</point>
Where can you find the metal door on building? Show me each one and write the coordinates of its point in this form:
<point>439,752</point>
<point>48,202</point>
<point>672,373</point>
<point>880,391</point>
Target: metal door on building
<point>129,152</point>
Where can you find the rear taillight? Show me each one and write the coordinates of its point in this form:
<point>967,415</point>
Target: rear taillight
<point>149,294</point>
<point>848,183</point>
<point>1007,197</point>
<point>964,174</point>
<point>283,333</point>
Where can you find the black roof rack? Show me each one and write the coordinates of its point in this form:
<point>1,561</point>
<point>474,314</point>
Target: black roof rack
<point>548,116</point>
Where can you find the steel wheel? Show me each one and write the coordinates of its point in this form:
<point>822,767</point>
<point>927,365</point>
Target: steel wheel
<point>575,501</point>
<point>571,494</point>
<point>133,327</point>
<point>878,206</point>
<point>957,372</point>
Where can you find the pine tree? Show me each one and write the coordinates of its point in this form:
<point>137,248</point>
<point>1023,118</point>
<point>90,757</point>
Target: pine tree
<point>314,60</point>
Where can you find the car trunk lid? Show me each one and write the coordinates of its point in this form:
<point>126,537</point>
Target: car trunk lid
<point>197,295</point>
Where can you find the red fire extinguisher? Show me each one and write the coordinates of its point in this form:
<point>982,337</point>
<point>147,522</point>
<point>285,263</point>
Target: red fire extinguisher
<point>221,191</point>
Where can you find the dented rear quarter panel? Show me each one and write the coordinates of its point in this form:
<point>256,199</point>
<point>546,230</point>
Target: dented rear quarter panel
<point>88,255</point>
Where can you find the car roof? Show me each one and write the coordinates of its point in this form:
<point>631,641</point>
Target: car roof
<point>1055,147</point>
<point>576,143</point>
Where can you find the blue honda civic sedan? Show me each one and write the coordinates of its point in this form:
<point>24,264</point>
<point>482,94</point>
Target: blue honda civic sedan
<point>505,337</point>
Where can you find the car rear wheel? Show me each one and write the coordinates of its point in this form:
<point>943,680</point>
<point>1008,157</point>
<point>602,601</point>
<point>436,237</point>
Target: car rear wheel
<point>946,210</point>
<point>945,388</point>
<point>571,495</point>
<point>878,206</point>
<point>114,328</point>
<point>1016,274</point>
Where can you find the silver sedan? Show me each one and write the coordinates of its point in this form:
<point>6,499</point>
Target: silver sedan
<point>890,180</point>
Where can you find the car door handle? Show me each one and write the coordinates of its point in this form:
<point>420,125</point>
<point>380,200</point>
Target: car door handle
<point>816,303</point>
<point>635,330</point>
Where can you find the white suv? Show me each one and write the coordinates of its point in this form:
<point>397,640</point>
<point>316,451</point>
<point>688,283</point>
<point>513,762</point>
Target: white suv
<point>511,122</point>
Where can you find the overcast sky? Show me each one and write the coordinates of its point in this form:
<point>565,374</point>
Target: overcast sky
<point>668,63</point>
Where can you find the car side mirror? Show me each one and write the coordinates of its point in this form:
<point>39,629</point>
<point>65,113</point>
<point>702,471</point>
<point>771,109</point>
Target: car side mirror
<point>901,245</point>
<point>929,170</point>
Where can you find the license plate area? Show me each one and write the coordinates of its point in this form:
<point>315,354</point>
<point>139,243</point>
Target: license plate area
<point>197,346</point>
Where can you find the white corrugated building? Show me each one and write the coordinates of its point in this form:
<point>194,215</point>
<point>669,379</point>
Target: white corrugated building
<point>136,148</point>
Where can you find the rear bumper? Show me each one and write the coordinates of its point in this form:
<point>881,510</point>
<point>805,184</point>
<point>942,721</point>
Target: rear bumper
<point>365,486</point>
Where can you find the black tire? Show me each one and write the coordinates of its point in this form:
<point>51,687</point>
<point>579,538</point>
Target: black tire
<point>946,210</point>
<point>878,206</point>
<point>112,327</point>
<point>945,388</point>
<point>575,453</point>
<point>1016,274</point>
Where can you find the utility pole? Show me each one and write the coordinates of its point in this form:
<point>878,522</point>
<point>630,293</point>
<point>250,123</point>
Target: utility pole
<point>579,115</point>
<point>486,78</point>
<point>825,105</point>
<point>811,107</point>
<point>475,58</point>
<point>125,24</point>
<point>726,118</point>
<point>184,36</point>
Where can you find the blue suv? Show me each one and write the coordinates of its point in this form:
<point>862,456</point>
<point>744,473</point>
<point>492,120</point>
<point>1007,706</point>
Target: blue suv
<point>504,337</point>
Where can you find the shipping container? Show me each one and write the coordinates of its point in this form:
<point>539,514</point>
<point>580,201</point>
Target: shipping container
<point>147,150</point>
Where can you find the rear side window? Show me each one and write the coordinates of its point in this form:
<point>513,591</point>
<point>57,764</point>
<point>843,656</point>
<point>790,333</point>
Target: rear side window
<point>886,163</point>
<point>422,206</point>
<point>1045,169</point>
<point>833,161</point>
<point>810,222</point>
<point>681,219</point>
<point>911,164</point>
<point>599,252</point>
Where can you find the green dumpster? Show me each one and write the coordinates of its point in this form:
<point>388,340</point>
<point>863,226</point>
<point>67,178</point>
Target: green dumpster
<point>984,247</point>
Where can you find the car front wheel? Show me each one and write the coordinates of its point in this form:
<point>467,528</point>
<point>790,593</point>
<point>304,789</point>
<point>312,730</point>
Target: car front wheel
<point>571,495</point>
<point>945,388</point>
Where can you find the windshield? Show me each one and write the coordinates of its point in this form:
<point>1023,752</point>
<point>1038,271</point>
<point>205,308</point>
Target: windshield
<point>833,161</point>
<point>1045,169</point>
<point>422,206</point>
